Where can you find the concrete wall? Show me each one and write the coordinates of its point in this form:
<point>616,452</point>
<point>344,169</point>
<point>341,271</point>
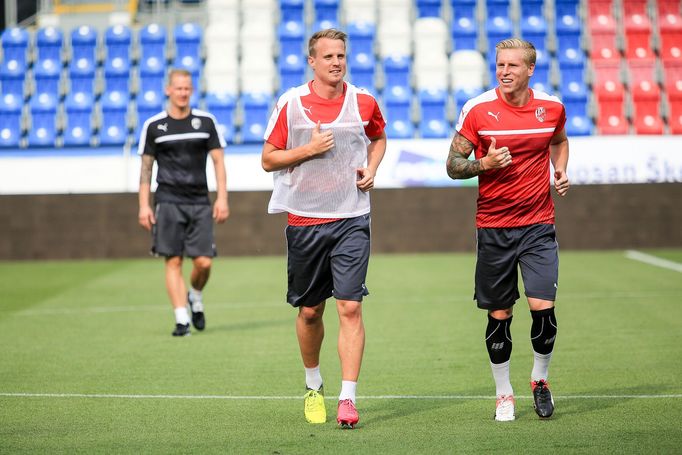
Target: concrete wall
<point>403,220</point>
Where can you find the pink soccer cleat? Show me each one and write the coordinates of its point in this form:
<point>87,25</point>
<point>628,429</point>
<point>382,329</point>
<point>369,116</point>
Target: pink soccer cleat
<point>347,415</point>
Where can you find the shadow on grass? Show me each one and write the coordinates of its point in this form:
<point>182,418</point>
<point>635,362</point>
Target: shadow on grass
<point>249,325</point>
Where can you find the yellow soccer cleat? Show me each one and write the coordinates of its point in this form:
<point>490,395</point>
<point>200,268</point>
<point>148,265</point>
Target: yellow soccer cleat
<point>315,411</point>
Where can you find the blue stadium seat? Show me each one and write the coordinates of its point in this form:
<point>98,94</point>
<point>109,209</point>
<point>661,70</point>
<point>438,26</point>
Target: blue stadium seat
<point>12,74</point>
<point>534,29</point>
<point>15,44</point>
<point>291,71</point>
<point>361,37</point>
<point>82,76</point>
<point>47,74</point>
<point>568,30</point>
<point>497,29</point>
<point>463,8</point>
<point>49,42</point>
<point>10,120</point>
<point>397,101</point>
<point>465,94</point>
<point>429,8</point>
<point>566,7</point>
<point>152,40</point>
<point>574,95</point>
<point>117,39</point>
<point>324,24</point>
<point>78,108</point>
<point>362,68</point>
<point>571,65</point>
<point>291,38</point>
<point>397,71</point>
<point>541,72</point>
<point>84,43</point>
<point>187,41</point>
<point>113,128</point>
<point>291,10</point>
<point>255,106</point>
<point>579,125</point>
<point>327,10</point>
<point>194,66</point>
<point>43,130</point>
<point>117,75</point>
<point>465,33</point>
<point>152,72</point>
<point>532,8</point>
<point>433,122</point>
<point>222,106</point>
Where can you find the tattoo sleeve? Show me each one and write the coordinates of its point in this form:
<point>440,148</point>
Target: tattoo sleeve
<point>146,171</point>
<point>458,164</point>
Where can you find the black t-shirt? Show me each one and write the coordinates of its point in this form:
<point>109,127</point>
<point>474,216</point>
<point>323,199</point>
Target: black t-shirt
<point>180,147</point>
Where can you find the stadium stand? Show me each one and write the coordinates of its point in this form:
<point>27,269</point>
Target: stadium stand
<point>616,64</point>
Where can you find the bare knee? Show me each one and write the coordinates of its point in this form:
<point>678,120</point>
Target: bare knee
<point>311,315</point>
<point>202,263</point>
<point>349,310</point>
<point>501,315</point>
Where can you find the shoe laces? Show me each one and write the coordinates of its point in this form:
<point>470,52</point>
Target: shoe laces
<point>540,384</point>
<point>311,398</point>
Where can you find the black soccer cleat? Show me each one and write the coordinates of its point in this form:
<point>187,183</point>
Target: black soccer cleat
<point>198,319</point>
<point>542,398</point>
<point>181,330</point>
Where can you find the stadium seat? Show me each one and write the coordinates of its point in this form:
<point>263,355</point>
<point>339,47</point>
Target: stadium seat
<point>631,7</point>
<point>613,124</point>
<point>291,10</point>
<point>255,107</point>
<point>568,28</point>
<point>152,39</point>
<point>148,103</point>
<point>113,129</point>
<point>464,33</point>
<point>497,29</point>
<point>431,35</point>
<point>326,10</point>
<point>638,36</point>
<point>15,43</point>
<point>431,71</point>
<point>534,29</point>
<point>222,106</point>
<point>574,95</point>
<point>291,39</point>
<point>429,8</point>
<point>397,71</point>
<point>187,41</point>
<point>397,101</point>
<point>602,29</point>
<point>78,108</point>
<point>10,120</point>
<point>117,39</point>
<point>194,66</point>
<point>646,100</point>
<point>361,68</point>
<point>84,43</point>
<point>43,129</point>
<point>467,69</point>
<point>461,96</point>
<point>399,129</point>
<point>648,124</point>
<point>49,42</point>
<point>670,27</point>
<point>47,76</point>
<point>540,79</point>
<point>571,66</point>
<point>675,118</point>
<point>116,75</point>
<point>291,71</point>
<point>394,37</point>
<point>600,7</point>
<point>152,73</point>
<point>433,121</point>
<point>82,76</point>
<point>463,8</point>
<point>578,125</point>
<point>12,74</point>
<point>359,10</point>
<point>361,37</point>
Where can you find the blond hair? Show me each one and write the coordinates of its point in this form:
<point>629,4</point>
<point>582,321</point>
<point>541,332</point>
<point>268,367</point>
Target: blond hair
<point>177,72</point>
<point>330,33</point>
<point>516,43</point>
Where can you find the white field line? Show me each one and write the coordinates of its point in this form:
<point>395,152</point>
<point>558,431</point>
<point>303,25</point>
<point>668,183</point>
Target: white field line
<point>653,260</point>
<point>136,308</point>
<point>297,397</point>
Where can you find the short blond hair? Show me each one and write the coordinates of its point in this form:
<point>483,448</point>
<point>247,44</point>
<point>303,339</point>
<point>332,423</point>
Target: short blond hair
<point>330,33</point>
<point>177,72</point>
<point>517,43</point>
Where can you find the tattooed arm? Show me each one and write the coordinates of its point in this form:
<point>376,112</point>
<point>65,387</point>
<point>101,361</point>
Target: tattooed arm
<point>460,167</point>
<point>145,215</point>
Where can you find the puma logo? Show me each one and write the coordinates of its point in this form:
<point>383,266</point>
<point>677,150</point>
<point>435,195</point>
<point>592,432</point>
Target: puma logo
<point>309,110</point>
<point>163,127</point>
<point>496,116</point>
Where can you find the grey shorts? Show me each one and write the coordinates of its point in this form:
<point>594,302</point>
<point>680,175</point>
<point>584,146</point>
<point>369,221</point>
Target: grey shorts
<point>328,260</point>
<point>183,230</point>
<point>502,251</point>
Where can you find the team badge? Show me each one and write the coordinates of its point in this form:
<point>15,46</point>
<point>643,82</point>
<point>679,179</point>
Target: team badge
<point>196,122</point>
<point>540,114</point>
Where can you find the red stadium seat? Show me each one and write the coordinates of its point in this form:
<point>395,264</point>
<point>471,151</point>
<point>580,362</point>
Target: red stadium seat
<point>638,36</point>
<point>670,26</point>
<point>634,7</point>
<point>607,70</point>
<point>646,100</point>
<point>596,7</point>
<point>641,70</point>
<point>602,33</point>
<point>673,90</point>
<point>613,124</point>
<point>648,124</point>
<point>675,117</point>
<point>668,6</point>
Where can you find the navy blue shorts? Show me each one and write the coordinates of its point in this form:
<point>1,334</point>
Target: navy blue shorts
<point>501,251</point>
<point>183,230</point>
<point>328,260</point>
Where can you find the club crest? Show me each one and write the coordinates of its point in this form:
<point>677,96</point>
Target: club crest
<point>196,123</point>
<point>540,114</point>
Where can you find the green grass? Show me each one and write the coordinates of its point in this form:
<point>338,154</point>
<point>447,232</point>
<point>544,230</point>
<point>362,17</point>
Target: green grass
<point>99,333</point>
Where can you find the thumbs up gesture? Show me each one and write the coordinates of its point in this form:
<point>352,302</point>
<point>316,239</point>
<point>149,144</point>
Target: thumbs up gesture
<point>496,158</point>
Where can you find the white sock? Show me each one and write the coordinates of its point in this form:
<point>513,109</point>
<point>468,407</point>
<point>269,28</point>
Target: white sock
<point>348,390</point>
<point>181,316</point>
<point>501,375</point>
<point>313,378</point>
<point>540,366</point>
<point>196,298</point>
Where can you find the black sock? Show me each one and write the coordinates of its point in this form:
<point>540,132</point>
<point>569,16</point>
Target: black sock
<point>543,330</point>
<point>498,339</point>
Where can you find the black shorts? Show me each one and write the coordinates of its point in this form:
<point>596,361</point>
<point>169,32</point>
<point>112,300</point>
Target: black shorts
<point>328,260</point>
<point>183,230</point>
<point>534,248</point>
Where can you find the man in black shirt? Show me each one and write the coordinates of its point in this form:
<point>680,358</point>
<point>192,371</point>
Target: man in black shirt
<point>180,139</point>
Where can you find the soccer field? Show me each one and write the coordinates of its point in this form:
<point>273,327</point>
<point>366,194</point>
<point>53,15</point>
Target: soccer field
<point>88,364</point>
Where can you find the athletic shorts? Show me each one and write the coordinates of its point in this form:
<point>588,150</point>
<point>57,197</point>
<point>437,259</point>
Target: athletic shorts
<point>183,230</point>
<point>328,260</point>
<point>500,250</point>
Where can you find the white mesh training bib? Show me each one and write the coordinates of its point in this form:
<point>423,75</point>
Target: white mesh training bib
<point>325,186</point>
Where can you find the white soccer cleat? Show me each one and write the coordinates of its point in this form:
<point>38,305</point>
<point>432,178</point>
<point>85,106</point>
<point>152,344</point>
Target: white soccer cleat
<point>504,408</point>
